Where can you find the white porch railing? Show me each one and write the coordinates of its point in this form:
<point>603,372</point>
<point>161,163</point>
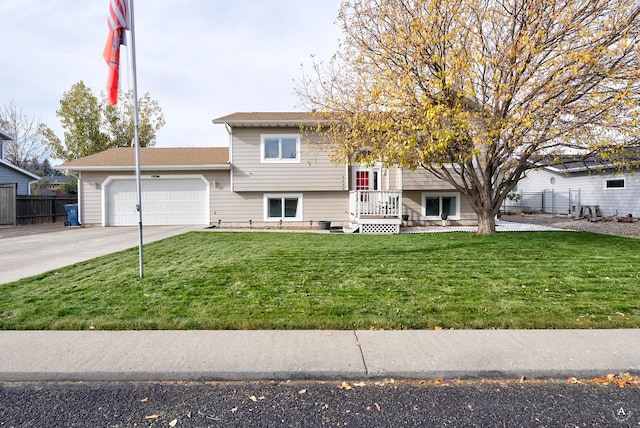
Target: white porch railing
<point>378,203</point>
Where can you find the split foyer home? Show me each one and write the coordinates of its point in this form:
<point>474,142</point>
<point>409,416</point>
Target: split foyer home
<point>271,175</point>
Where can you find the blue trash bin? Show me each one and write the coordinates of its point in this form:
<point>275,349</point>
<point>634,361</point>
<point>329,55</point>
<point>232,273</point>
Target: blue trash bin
<point>72,215</point>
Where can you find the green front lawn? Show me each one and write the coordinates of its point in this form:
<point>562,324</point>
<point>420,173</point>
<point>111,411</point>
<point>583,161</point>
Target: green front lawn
<point>259,280</point>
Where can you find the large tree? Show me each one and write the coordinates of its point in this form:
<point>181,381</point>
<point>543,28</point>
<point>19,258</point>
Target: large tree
<point>475,90</point>
<point>92,124</point>
<point>28,140</point>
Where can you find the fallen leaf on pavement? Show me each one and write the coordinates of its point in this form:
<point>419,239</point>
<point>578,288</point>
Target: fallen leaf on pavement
<point>173,423</point>
<point>384,382</point>
<point>345,385</point>
<point>144,400</point>
<point>152,417</point>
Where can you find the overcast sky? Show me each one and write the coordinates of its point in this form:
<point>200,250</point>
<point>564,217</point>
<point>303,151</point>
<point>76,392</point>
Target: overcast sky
<point>200,59</point>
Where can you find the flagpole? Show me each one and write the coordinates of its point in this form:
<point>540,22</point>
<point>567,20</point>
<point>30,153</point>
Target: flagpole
<point>136,136</point>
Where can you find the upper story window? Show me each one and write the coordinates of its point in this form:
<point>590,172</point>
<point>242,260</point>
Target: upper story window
<point>617,183</point>
<point>280,148</point>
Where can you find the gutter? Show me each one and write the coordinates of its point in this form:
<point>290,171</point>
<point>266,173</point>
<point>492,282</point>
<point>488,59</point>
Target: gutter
<point>214,167</point>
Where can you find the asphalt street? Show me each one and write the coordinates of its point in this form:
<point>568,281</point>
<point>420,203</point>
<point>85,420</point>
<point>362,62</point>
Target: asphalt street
<point>314,404</point>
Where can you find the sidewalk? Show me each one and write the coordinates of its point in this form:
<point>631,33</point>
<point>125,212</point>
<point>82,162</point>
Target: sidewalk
<point>315,354</point>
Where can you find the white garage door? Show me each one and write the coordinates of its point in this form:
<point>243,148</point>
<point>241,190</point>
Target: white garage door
<point>164,202</point>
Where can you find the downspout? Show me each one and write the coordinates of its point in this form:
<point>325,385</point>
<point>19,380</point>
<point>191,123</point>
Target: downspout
<point>229,131</point>
<point>30,184</point>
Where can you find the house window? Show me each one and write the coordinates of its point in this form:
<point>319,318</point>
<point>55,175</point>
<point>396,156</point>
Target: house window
<point>617,183</point>
<point>437,204</point>
<point>280,148</point>
<point>285,207</point>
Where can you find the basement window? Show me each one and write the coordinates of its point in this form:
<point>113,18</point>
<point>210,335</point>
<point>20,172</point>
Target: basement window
<point>286,207</point>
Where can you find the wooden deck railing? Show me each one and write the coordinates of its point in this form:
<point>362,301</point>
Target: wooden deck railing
<point>382,203</point>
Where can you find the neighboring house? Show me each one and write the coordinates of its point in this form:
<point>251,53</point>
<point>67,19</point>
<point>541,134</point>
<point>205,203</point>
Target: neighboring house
<point>574,182</point>
<point>271,175</point>
<point>11,174</point>
<point>55,184</point>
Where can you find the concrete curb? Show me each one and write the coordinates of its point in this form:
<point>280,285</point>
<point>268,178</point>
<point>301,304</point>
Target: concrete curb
<point>314,354</point>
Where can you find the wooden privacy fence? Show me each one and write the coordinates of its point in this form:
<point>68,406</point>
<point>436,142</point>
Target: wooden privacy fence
<point>42,209</point>
<point>8,203</point>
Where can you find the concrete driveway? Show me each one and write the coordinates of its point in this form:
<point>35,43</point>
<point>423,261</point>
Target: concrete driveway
<point>30,255</point>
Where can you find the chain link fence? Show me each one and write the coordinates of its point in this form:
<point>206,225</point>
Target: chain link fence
<point>545,202</point>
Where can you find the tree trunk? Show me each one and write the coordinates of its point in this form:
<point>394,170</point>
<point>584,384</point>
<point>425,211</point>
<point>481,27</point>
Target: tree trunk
<point>486,222</point>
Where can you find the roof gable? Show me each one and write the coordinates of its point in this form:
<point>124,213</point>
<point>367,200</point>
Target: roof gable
<point>5,136</point>
<point>18,170</point>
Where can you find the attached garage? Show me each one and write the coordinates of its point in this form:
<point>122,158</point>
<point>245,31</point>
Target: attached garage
<point>165,201</point>
<point>179,185</point>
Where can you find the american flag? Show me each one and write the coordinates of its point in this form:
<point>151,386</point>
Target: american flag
<point>117,24</point>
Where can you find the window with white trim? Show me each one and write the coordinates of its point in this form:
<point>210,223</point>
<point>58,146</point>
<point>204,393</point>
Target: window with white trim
<point>614,183</point>
<point>280,148</point>
<point>286,207</point>
<point>434,205</point>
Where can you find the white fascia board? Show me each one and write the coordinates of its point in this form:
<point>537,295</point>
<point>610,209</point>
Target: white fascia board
<point>269,123</point>
<point>5,136</point>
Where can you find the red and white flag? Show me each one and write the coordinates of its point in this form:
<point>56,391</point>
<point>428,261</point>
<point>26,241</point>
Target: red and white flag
<point>117,24</point>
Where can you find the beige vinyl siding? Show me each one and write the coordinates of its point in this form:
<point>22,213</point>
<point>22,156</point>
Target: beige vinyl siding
<point>314,172</point>
<point>91,201</point>
<point>421,179</point>
<point>331,206</point>
<point>412,205</point>
<point>236,209</point>
<point>395,178</point>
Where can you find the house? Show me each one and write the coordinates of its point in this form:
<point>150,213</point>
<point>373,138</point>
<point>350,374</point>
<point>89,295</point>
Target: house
<point>55,184</point>
<point>271,175</point>
<point>564,186</point>
<point>12,175</point>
